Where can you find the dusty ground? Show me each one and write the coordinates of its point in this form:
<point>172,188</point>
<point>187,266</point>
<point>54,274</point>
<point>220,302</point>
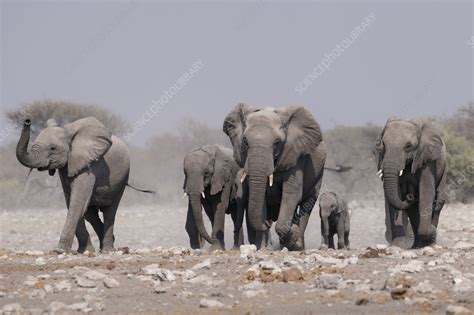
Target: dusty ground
<point>156,273</point>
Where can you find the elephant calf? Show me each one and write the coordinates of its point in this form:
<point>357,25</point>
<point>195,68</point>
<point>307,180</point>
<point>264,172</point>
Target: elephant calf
<point>335,219</point>
<point>210,173</point>
<point>93,166</point>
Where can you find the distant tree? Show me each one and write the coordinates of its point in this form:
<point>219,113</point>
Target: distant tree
<point>64,112</point>
<point>462,123</point>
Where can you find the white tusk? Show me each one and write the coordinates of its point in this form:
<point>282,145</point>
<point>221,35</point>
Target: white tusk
<point>379,172</point>
<point>203,196</point>
<point>243,177</point>
<point>270,178</point>
<point>184,195</point>
<point>381,175</point>
<point>401,173</point>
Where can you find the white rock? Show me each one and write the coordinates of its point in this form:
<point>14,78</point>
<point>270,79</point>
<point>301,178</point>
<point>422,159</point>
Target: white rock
<point>34,253</point>
<point>409,255</point>
<point>110,282</point>
<point>206,264</point>
<point>381,246</point>
<point>40,261</point>
<point>462,284</point>
<point>80,307</point>
<point>207,303</point>
<point>329,282</point>
<point>37,294</point>
<point>85,283</point>
<point>455,310</point>
<point>428,251</point>
<point>63,286</point>
<point>353,260</point>
<point>179,250</point>
<point>411,267</point>
<point>43,277</point>
<point>60,271</point>
<point>205,280</point>
<point>463,245</point>
<point>254,285</point>
<point>94,275</point>
<point>269,265</point>
<point>253,293</point>
<point>160,273</point>
<point>157,288</point>
<point>30,281</point>
<point>423,287</point>
<point>12,308</point>
<point>188,274</point>
<point>55,307</point>
<point>247,251</point>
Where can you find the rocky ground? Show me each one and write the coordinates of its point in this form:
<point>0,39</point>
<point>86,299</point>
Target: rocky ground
<point>154,271</point>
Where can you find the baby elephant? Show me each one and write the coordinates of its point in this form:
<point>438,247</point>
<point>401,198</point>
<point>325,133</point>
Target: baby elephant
<point>335,219</point>
<point>209,176</point>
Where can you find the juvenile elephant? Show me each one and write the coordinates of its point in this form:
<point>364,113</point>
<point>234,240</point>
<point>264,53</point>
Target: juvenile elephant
<point>210,173</point>
<point>283,154</point>
<point>411,159</point>
<point>93,166</point>
<point>335,219</point>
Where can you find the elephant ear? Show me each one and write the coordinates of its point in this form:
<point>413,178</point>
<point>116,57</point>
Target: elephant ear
<point>430,145</point>
<point>89,141</point>
<point>303,135</point>
<point>222,171</point>
<point>234,126</point>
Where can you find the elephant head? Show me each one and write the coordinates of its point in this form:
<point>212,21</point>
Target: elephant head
<point>330,207</point>
<point>405,145</point>
<point>208,168</point>
<point>267,141</point>
<point>74,145</point>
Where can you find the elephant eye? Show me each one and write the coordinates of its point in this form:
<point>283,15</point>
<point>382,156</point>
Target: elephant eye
<point>245,144</point>
<point>276,144</point>
<point>53,149</point>
<point>408,146</point>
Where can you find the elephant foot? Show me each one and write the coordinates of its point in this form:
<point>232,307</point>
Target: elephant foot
<point>108,249</point>
<point>292,240</point>
<point>323,247</point>
<point>89,248</point>
<point>61,250</point>
<point>216,247</point>
<point>402,242</point>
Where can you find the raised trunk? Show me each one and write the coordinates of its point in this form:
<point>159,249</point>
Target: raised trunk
<point>195,201</point>
<point>28,159</point>
<point>390,186</point>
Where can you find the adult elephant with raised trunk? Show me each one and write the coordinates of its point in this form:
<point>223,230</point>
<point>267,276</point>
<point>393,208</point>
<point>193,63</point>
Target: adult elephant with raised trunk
<point>93,166</point>
<point>411,159</point>
<point>283,154</point>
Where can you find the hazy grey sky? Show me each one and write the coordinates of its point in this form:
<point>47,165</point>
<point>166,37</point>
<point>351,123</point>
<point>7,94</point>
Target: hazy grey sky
<point>415,58</point>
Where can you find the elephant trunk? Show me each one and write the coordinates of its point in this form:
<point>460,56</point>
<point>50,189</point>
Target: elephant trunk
<point>390,185</point>
<point>28,159</point>
<point>195,202</point>
<point>259,171</point>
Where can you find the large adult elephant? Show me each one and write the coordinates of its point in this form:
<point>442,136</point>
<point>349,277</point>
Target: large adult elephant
<point>411,159</point>
<point>93,166</point>
<point>283,154</point>
<point>210,173</point>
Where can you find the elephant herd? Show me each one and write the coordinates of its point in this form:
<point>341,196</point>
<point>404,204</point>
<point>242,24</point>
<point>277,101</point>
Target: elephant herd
<point>272,175</point>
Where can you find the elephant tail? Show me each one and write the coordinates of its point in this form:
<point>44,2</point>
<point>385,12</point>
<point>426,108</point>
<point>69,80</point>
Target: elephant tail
<point>142,190</point>
<point>338,168</point>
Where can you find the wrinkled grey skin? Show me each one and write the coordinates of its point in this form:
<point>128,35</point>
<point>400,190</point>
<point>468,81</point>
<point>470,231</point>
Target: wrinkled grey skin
<point>241,203</point>
<point>286,143</point>
<point>210,170</point>
<point>335,219</point>
<point>93,166</point>
<point>416,147</point>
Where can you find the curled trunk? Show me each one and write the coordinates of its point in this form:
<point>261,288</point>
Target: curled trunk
<point>195,201</point>
<point>390,186</point>
<point>28,159</point>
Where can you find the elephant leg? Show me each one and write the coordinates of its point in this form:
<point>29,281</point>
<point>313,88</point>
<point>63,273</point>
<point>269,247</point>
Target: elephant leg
<point>414,216</point>
<point>109,222</point>
<point>331,241</point>
<point>340,234</point>
<point>396,223</point>
<point>426,230</point>
<point>78,203</point>
<point>324,237</point>
<point>238,231</point>
<point>191,229</point>
<point>346,239</point>
<point>288,232</point>
<point>83,238</point>
<point>304,212</point>
<point>218,226</point>
<point>92,216</point>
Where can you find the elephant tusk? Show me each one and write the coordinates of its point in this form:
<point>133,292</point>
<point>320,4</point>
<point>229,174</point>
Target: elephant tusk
<point>270,178</point>
<point>379,172</point>
<point>184,195</point>
<point>203,196</point>
<point>401,173</point>
<point>381,175</point>
<point>243,177</point>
